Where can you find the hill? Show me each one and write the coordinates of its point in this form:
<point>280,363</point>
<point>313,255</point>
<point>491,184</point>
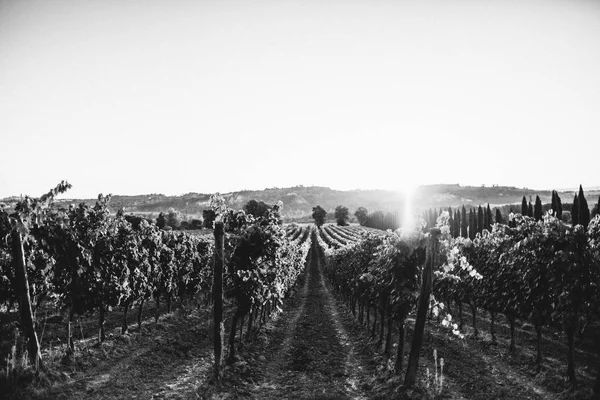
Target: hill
<point>299,200</point>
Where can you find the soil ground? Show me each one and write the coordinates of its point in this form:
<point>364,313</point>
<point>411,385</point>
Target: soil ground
<point>314,349</point>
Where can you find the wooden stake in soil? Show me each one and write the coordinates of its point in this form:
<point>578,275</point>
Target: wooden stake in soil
<point>219,328</point>
<point>423,305</point>
<point>22,291</point>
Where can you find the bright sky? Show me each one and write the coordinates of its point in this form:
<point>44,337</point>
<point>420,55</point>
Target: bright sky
<point>132,97</point>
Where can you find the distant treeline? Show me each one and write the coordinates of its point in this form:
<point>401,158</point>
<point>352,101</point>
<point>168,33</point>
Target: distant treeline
<point>468,220</point>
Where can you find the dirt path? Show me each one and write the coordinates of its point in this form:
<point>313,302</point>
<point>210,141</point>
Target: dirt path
<point>315,358</point>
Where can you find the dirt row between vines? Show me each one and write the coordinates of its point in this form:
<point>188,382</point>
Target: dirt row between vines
<point>312,351</point>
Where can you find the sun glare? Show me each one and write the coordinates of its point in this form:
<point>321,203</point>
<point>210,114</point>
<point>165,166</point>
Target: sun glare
<point>407,212</point>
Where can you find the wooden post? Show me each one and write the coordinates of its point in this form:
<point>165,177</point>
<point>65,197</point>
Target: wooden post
<point>218,328</point>
<point>33,345</point>
<point>423,305</point>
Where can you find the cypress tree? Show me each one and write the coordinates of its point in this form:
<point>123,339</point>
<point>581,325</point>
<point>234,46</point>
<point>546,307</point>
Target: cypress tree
<point>559,207</point>
<point>556,204</point>
<point>490,218</point>
<point>486,220</point>
<point>499,219</point>
<point>575,211</point>
<point>472,224</point>
<point>456,223</point>
<point>524,207</point>
<point>479,219</point>
<point>598,207</point>
<point>463,223</point>
<point>530,210</point>
<point>537,212</point>
<point>584,209</point>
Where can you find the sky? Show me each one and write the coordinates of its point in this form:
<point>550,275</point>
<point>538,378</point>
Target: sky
<point>135,97</point>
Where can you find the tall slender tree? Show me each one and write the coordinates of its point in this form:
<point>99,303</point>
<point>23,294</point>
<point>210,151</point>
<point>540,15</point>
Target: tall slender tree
<point>490,218</point>
<point>486,219</point>
<point>559,207</point>
<point>472,224</point>
<point>456,223</point>
<point>524,206</point>
<point>530,210</point>
<point>499,219</point>
<point>575,211</point>
<point>464,223</point>
<point>597,207</point>
<point>537,210</point>
<point>584,209</point>
<point>479,219</point>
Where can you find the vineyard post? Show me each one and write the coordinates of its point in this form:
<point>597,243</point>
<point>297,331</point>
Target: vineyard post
<point>219,328</point>
<point>423,305</point>
<point>25,299</point>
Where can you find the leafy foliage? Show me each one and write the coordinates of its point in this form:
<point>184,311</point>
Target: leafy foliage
<point>361,215</point>
<point>319,215</point>
<point>341,215</point>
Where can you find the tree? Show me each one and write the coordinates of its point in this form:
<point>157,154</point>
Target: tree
<point>530,210</point>
<point>456,224</point>
<point>556,204</point>
<point>195,224</point>
<point>161,221</point>
<point>256,208</point>
<point>134,220</point>
<point>209,217</point>
<point>584,209</point>
<point>341,215</point>
<point>524,208</point>
<point>376,220</point>
<point>596,209</point>
<point>537,210</point>
<point>361,215</point>
<point>472,224</point>
<point>480,219</point>
<point>319,215</point>
<point>173,218</point>
<point>490,218</point>
<point>575,211</point>
<point>464,223</point>
<point>499,219</point>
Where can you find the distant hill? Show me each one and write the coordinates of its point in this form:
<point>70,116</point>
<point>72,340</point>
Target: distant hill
<point>298,201</point>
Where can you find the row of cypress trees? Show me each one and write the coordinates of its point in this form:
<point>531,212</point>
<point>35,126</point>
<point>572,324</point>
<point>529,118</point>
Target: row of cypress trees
<point>468,223</point>
<point>580,211</point>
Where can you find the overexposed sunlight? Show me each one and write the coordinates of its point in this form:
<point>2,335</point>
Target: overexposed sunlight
<point>407,213</point>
